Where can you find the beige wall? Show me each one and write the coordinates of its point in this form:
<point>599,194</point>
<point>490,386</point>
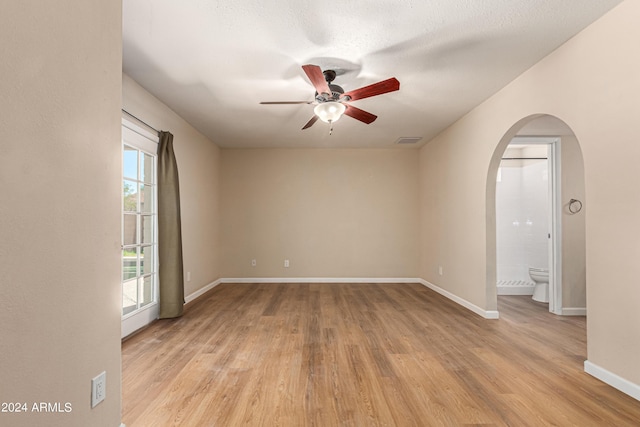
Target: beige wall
<point>453,170</point>
<point>591,83</point>
<point>332,213</point>
<point>59,208</point>
<point>199,169</point>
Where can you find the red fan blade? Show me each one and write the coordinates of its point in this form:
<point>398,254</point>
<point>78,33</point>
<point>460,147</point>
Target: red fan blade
<point>359,114</point>
<point>287,102</point>
<point>310,122</point>
<point>317,78</point>
<point>379,88</point>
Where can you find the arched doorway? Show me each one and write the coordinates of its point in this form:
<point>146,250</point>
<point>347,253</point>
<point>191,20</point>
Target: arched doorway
<point>568,284</point>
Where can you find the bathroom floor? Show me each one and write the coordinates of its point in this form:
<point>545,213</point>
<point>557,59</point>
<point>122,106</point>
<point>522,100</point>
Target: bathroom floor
<point>534,319</point>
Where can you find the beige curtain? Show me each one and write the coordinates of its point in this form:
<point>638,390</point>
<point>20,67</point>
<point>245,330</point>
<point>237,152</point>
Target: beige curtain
<point>169,231</point>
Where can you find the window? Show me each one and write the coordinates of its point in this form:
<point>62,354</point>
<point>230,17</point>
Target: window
<point>139,221</point>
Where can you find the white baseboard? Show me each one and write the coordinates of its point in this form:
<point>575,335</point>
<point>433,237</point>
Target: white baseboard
<point>487,314</point>
<point>574,311</point>
<point>515,287</point>
<point>320,280</point>
<point>615,381</point>
<point>515,290</point>
<point>189,298</point>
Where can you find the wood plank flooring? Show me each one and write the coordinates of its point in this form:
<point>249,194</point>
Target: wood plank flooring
<point>362,355</point>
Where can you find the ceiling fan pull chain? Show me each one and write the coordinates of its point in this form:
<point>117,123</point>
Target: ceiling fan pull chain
<point>330,127</point>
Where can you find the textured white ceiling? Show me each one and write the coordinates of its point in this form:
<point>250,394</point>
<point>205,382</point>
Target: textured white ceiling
<point>213,61</point>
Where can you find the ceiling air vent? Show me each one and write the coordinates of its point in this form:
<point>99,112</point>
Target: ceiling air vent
<point>408,140</point>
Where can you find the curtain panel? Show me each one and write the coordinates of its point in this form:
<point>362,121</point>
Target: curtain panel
<point>169,231</point>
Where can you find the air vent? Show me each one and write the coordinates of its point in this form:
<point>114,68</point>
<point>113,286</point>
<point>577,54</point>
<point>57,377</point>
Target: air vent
<point>408,140</point>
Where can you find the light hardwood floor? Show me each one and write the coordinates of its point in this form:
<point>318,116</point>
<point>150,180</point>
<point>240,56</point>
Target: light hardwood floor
<point>362,355</point>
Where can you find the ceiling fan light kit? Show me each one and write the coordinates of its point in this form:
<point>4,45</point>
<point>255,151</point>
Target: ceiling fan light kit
<point>332,101</point>
<point>330,111</point>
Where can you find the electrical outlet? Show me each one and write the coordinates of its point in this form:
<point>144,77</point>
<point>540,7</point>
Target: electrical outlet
<point>286,263</point>
<point>188,276</point>
<point>98,389</point>
<point>253,263</point>
<point>440,270</point>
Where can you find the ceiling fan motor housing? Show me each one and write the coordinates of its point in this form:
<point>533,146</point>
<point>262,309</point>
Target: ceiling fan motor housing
<point>336,91</point>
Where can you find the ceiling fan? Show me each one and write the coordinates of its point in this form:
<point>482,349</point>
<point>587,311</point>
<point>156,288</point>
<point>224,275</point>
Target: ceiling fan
<point>332,101</point>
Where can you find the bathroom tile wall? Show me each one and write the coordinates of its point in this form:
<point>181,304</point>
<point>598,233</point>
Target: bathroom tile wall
<point>521,218</point>
<point>536,213</point>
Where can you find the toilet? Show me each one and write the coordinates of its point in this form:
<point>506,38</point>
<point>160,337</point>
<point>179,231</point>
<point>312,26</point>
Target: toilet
<point>540,276</point>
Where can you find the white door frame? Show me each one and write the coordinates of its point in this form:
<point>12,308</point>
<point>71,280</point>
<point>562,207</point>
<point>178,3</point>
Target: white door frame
<point>555,216</point>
